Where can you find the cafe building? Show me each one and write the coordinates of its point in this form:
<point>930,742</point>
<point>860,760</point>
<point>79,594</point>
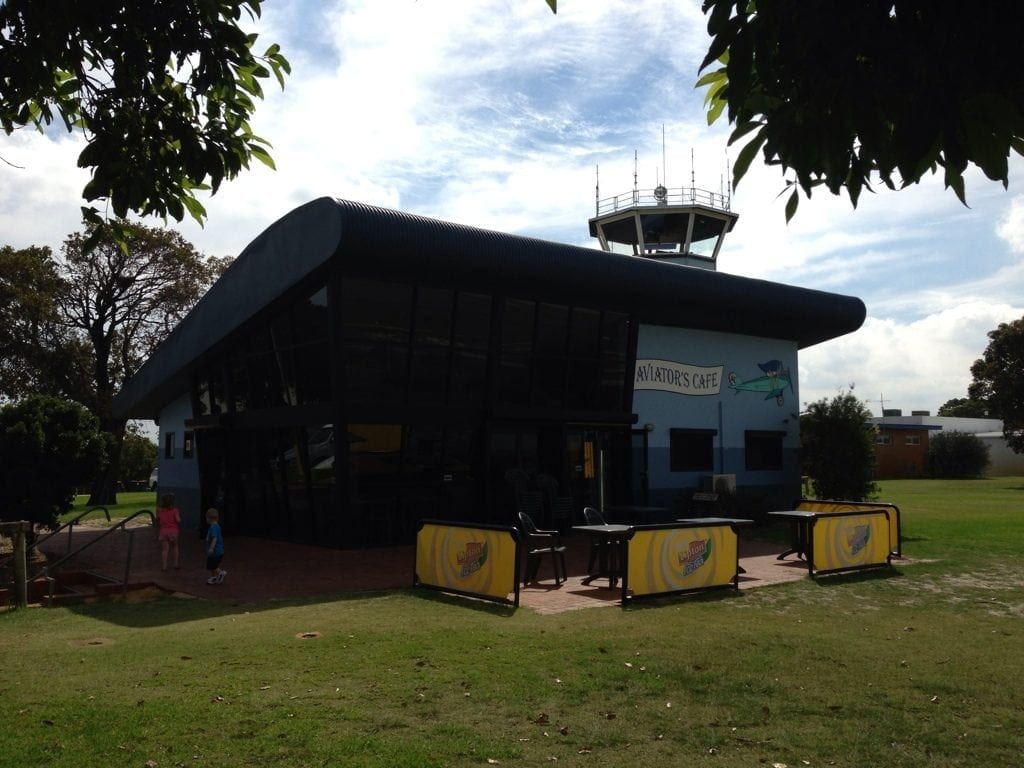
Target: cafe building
<point>358,369</point>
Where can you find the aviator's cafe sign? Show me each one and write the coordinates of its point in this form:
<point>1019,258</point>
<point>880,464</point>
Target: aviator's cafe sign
<point>680,378</point>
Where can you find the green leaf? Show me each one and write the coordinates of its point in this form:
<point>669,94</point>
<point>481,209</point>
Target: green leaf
<point>955,180</point>
<point>195,209</point>
<point>716,109</point>
<point>747,155</point>
<point>553,5</point>
<point>260,154</point>
<point>791,204</point>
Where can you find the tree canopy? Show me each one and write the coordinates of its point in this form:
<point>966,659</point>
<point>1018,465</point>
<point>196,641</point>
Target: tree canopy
<point>162,92</point>
<point>956,454</point>
<point>842,94</point>
<point>963,407</point>
<point>86,320</point>
<point>48,446</point>
<point>999,380</point>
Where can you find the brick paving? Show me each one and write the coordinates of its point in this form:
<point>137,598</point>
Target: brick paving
<point>260,570</point>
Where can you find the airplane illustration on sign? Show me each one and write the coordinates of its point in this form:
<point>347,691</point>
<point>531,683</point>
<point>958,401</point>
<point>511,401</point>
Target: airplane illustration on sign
<point>773,383</point>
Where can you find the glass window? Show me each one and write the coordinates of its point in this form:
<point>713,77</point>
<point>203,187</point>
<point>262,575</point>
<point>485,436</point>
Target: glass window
<point>313,372</point>
<point>202,398</point>
<point>471,341</point>
<point>431,345</point>
<point>691,450</point>
<point>549,362</point>
<point>375,310</point>
<point>585,336</point>
<point>188,445</point>
<point>516,351</point>
<point>169,445</point>
<point>614,346</point>
<point>376,319</point>
<point>763,450</point>
<point>375,452</point>
<point>239,378</point>
<point>914,440</point>
<point>309,317</point>
<point>883,439</point>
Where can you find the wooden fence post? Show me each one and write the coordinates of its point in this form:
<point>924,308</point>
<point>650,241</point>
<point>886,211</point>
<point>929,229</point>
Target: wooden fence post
<point>18,530</point>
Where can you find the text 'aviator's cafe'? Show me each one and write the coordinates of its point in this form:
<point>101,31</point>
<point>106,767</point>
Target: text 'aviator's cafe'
<point>358,369</point>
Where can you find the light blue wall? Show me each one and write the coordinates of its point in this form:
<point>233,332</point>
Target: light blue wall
<point>179,475</point>
<point>694,392</point>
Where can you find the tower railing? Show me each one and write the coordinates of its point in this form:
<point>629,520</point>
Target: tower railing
<point>661,197</point>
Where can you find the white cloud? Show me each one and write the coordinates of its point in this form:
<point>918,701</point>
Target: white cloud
<point>913,366</point>
<point>1011,227</point>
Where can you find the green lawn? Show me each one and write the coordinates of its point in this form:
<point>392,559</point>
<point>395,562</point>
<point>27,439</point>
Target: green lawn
<point>127,504</point>
<point>918,666</point>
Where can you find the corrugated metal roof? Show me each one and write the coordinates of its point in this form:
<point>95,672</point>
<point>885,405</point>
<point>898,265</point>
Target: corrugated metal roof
<point>386,244</point>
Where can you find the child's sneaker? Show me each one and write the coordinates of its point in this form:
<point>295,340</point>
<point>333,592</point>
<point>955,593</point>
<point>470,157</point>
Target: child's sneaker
<point>212,580</point>
<point>220,578</point>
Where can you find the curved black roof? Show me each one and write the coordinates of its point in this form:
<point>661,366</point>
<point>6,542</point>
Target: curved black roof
<point>377,242</point>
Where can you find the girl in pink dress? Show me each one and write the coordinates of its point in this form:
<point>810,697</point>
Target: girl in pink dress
<point>168,518</point>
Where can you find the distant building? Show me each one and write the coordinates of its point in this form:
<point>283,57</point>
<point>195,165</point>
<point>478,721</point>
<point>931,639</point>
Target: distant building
<point>901,445</point>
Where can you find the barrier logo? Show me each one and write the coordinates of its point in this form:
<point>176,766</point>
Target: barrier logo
<point>857,538</point>
<point>472,558</point>
<point>694,556</point>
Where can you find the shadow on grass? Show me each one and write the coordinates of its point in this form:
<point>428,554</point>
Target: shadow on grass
<point>856,577</point>
<point>157,608</point>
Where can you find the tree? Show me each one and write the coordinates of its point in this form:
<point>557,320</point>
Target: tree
<point>29,320</point>
<point>119,304</point>
<point>138,457</point>
<point>838,448</point>
<point>48,447</point>
<point>999,380</point>
<point>964,407</point>
<point>956,454</point>
<point>163,93</point>
<point>841,93</point>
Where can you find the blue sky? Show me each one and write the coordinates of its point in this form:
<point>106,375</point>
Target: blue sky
<point>496,113</point>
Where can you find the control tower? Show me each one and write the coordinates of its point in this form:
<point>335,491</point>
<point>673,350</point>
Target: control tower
<point>681,225</point>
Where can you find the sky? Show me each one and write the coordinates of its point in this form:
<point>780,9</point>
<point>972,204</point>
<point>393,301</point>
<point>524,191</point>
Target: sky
<point>501,115</point>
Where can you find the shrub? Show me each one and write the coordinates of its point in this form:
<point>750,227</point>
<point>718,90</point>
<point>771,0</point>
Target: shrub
<point>48,447</point>
<point>838,448</point>
<point>956,454</point>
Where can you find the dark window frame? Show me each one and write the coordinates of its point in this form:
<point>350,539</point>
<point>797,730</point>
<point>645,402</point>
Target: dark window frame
<point>688,452</point>
<point>763,450</point>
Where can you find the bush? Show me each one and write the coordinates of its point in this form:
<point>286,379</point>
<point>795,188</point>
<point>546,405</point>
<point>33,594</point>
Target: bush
<point>48,447</point>
<point>838,448</point>
<point>956,454</point>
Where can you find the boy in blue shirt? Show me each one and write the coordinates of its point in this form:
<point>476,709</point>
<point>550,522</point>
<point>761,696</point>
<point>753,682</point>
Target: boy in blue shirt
<point>214,548</point>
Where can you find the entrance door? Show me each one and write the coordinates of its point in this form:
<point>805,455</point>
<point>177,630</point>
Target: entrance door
<point>513,458</point>
<point>598,464</point>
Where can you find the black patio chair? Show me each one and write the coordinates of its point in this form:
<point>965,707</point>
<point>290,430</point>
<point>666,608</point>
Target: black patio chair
<point>539,543</point>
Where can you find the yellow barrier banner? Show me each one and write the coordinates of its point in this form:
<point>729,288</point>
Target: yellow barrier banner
<point>680,559</point>
<point>850,541</point>
<point>478,561</point>
<point>820,505</point>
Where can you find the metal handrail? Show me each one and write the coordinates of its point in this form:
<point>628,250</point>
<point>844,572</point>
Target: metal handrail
<point>653,198</point>
<point>70,525</point>
<point>52,567</point>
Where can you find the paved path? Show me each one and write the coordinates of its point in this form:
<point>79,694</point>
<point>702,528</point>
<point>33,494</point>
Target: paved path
<point>261,570</point>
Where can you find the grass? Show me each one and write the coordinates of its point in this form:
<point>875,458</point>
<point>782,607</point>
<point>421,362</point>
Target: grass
<point>913,667</point>
<point>127,503</point>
